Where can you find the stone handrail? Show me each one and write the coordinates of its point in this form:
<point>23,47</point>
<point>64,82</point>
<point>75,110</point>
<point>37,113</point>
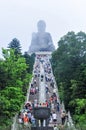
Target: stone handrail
<point>70,121</point>
<point>14,125</point>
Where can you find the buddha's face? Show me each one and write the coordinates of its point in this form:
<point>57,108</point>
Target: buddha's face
<point>41,26</point>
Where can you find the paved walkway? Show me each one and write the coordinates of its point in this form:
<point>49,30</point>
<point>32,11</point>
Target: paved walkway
<point>43,89</point>
<point>41,96</point>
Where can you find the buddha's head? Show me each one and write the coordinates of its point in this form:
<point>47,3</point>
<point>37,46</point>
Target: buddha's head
<point>41,26</point>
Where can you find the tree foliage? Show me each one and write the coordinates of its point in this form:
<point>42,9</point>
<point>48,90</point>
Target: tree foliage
<point>29,61</point>
<point>14,80</point>
<point>69,67</point>
<point>15,44</point>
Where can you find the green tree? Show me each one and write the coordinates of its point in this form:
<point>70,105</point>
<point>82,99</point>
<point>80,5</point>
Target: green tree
<point>15,44</point>
<point>69,67</point>
<point>14,80</point>
<point>30,59</point>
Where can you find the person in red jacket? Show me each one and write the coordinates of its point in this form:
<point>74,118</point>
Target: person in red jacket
<point>26,120</point>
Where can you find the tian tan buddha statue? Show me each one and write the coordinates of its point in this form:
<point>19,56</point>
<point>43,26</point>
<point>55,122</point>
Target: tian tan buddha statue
<point>41,41</point>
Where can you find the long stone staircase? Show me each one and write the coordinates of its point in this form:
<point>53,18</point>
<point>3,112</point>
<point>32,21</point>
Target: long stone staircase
<point>41,89</point>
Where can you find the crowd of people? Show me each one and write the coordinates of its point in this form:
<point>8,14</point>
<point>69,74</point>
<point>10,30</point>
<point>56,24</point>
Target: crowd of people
<point>26,115</point>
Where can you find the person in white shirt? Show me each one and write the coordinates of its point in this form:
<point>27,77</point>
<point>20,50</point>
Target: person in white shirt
<point>55,127</point>
<point>54,116</point>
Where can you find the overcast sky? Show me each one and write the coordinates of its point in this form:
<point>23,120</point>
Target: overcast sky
<point>18,19</point>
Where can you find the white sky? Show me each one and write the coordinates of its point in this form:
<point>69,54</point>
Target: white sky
<point>18,19</point>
